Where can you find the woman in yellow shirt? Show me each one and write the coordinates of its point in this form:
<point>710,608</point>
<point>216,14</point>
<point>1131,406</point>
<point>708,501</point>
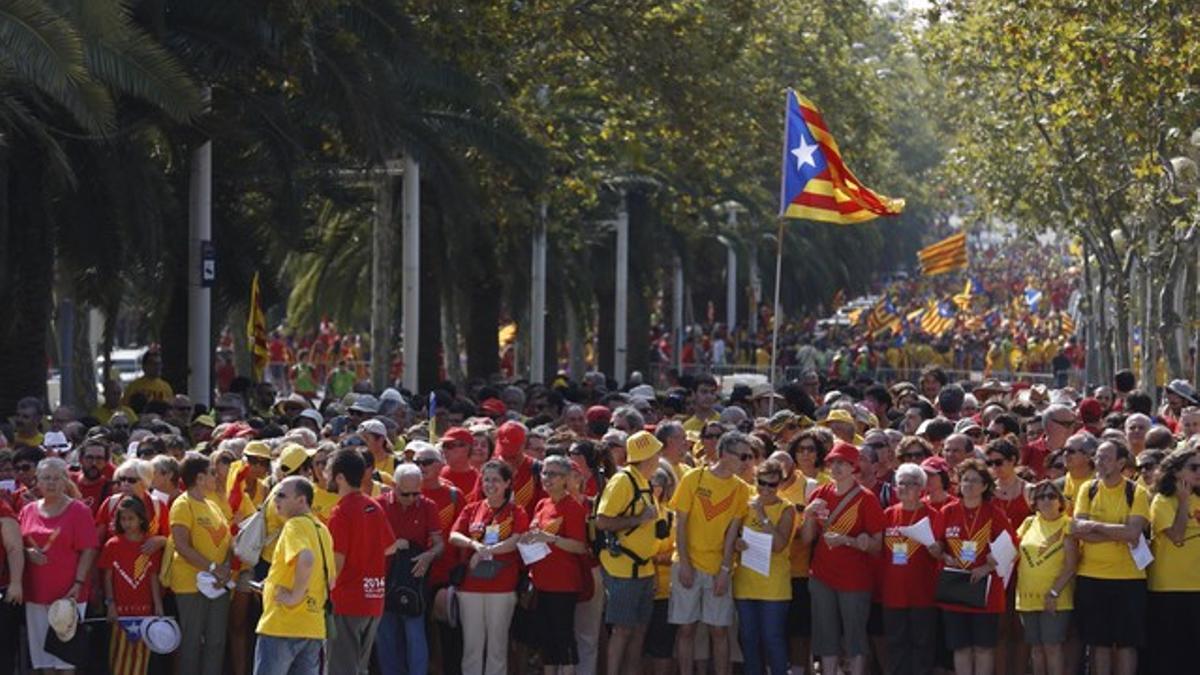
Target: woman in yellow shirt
<point>201,540</point>
<point>762,600</point>
<point>1045,578</point>
<point>1173,626</point>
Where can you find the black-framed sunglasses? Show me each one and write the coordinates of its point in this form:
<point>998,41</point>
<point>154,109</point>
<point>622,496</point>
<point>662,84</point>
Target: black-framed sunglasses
<point>131,480</point>
<point>767,484</point>
<point>424,462</point>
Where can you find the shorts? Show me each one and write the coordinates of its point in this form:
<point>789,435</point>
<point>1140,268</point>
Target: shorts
<point>556,628</point>
<point>800,609</point>
<point>1111,612</point>
<point>630,601</point>
<point>838,617</point>
<point>965,630</point>
<point>660,636</point>
<point>689,605</point>
<point>1044,628</point>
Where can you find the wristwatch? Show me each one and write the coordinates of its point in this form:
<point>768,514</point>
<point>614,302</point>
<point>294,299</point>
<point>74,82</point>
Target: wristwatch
<point>1053,593</point>
<point>212,567</point>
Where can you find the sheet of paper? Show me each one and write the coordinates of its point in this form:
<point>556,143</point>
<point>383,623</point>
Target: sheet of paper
<point>919,532</point>
<point>1005,552</point>
<point>1142,557</point>
<point>757,556</point>
<point>531,553</point>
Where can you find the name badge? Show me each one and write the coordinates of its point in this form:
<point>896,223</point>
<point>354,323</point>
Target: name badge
<point>491,536</point>
<point>900,553</point>
<point>969,552</point>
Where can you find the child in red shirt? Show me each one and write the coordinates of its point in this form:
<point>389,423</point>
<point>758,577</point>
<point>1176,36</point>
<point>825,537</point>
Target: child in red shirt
<point>130,585</point>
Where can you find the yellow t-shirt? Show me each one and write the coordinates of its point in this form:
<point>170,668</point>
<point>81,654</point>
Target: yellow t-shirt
<point>1071,487</point>
<point>694,423</point>
<point>245,509</point>
<point>750,585</point>
<point>801,554</point>
<point>1110,559</point>
<point>1175,568</point>
<point>307,618</point>
<point>209,536</point>
<point>323,503</point>
<point>711,504</point>
<point>618,493</point>
<point>1042,556</point>
<point>386,467</point>
<point>104,414</point>
<point>153,388</point>
<point>662,570</point>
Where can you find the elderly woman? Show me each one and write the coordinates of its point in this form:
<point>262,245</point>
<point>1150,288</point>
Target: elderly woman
<point>972,523</point>
<point>762,600</point>
<point>202,544</point>
<point>133,479</point>
<point>1173,628</point>
<point>1045,578</point>
<point>808,450</point>
<point>908,576</point>
<point>166,479</point>
<point>60,547</point>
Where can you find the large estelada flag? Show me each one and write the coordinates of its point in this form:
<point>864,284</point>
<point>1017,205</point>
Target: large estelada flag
<point>816,183</point>
<point>946,255</point>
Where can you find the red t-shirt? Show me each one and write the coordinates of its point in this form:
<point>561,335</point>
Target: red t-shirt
<point>1016,509</point>
<point>159,516</point>
<point>1034,456</point>
<point>449,501</point>
<point>6,511</point>
<point>92,493</point>
<point>526,487</point>
<point>132,572</point>
<point>362,534</point>
<point>845,568</point>
<point>559,571</point>
<point>967,540</point>
<point>413,524</point>
<point>463,480</point>
<point>63,539</point>
<point>908,573</point>
<point>480,522</point>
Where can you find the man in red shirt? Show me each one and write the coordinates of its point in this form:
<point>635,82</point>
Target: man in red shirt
<point>526,483</point>
<point>414,521</point>
<point>362,538</point>
<point>1059,423</point>
<point>445,644</point>
<point>456,448</point>
<point>95,475</point>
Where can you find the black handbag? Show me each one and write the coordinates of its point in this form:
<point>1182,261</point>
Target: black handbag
<point>955,587</point>
<point>404,593</point>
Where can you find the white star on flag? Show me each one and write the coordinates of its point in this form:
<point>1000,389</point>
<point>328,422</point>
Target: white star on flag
<point>804,154</point>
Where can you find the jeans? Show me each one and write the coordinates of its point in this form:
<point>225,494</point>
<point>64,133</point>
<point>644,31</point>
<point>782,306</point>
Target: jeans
<point>286,656</point>
<point>762,627</point>
<point>400,645</point>
<point>202,624</point>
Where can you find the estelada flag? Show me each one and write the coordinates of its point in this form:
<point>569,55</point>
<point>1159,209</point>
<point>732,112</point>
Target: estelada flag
<point>815,182</point>
<point>256,333</point>
<point>946,255</point>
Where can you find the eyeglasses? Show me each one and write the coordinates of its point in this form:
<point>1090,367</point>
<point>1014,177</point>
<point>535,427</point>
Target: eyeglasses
<point>995,462</point>
<point>408,494</point>
<point>767,484</point>
<point>424,462</point>
<point>1044,496</point>
<point>130,480</point>
<point>1069,450</point>
<point>553,474</point>
<point>876,446</point>
<point>93,458</point>
<point>908,484</point>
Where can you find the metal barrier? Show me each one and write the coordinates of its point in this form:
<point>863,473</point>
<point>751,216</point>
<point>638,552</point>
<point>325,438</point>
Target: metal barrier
<point>658,374</point>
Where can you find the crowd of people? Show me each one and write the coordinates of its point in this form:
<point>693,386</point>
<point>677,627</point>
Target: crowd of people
<point>927,526</point>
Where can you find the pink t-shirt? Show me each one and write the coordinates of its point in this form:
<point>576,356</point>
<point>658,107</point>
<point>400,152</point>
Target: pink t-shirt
<point>63,539</point>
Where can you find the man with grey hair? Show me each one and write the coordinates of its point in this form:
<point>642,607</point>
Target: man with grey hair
<point>514,399</point>
<point>628,419</point>
<point>1137,426</point>
<point>675,445</point>
<point>733,417</point>
<point>1078,454</point>
<point>1058,422</point>
<point>710,504</point>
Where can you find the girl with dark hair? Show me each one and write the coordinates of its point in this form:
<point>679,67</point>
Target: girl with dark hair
<point>489,530</point>
<point>1173,630</point>
<point>808,450</point>
<point>130,584</point>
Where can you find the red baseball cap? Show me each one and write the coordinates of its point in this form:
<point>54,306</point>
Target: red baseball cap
<point>493,407</point>
<point>458,434</point>
<point>845,452</point>
<point>598,413</point>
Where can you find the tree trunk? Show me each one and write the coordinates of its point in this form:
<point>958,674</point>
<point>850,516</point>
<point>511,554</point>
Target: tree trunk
<point>26,278</point>
<point>604,279</point>
<point>1169,319</point>
<point>174,336</point>
<point>434,270</point>
<point>483,290</point>
<point>1122,304</point>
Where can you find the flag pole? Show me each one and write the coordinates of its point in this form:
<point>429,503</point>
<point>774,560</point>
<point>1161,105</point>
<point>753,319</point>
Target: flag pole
<point>775,314</point>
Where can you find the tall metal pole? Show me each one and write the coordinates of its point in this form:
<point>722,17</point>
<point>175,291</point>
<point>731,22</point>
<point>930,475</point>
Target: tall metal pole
<point>731,262</point>
<point>755,288</point>
<point>677,314</point>
<point>383,249</point>
<point>775,318</point>
<point>201,270</point>
<point>537,310</point>
<point>621,320</point>
<point>411,270</point>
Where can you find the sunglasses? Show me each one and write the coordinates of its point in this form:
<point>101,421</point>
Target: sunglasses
<point>1044,496</point>
<point>553,474</point>
<point>995,462</point>
<point>130,480</point>
<point>409,494</point>
<point>767,484</point>
<point>425,462</point>
<point>258,461</point>
<point>974,433</point>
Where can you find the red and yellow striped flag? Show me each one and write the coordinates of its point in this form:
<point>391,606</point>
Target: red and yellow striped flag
<point>947,255</point>
<point>256,333</point>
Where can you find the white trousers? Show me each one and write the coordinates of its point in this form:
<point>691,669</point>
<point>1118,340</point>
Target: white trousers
<point>485,619</point>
